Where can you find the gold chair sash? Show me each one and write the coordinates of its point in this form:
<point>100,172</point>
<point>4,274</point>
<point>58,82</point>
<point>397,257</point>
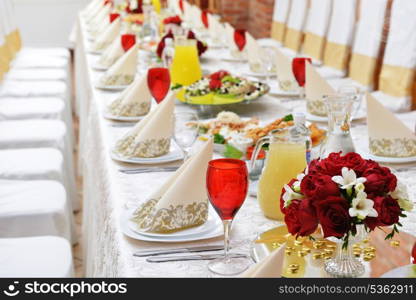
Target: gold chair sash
<point>362,68</point>
<point>336,55</point>
<point>278,31</point>
<point>313,45</point>
<point>293,39</point>
<point>396,81</point>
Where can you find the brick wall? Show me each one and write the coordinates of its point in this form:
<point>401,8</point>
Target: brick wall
<point>253,15</point>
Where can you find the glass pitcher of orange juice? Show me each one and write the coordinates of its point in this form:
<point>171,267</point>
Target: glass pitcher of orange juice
<point>185,68</point>
<point>285,159</point>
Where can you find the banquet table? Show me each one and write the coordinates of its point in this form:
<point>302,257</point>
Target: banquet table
<point>107,191</point>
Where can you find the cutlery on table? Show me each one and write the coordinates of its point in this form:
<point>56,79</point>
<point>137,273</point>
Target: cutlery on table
<point>159,259</point>
<point>154,252</point>
<point>148,170</point>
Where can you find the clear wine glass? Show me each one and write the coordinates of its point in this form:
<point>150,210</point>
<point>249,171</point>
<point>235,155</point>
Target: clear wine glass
<point>268,61</point>
<point>185,131</point>
<point>227,186</point>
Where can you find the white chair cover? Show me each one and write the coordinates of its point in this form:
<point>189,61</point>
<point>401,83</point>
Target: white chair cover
<point>32,108</point>
<point>366,48</point>
<point>339,39</point>
<point>295,27</point>
<point>280,15</point>
<point>34,208</point>
<point>45,256</point>
<point>399,62</point>
<point>51,88</point>
<point>41,134</point>
<point>316,29</point>
<point>41,74</point>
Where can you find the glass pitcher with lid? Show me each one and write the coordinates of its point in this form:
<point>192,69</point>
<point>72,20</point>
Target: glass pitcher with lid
<point>285,159</point>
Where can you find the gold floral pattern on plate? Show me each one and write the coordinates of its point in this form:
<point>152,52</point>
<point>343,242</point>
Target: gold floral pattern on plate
<point>172,219</point>
<point>134,109</point>
<point>317,108</point>
<point>119,79</point>
<point>145,149</point>
<point>398,147</point>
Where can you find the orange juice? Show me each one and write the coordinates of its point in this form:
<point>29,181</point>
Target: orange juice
<point>185,68</point>
<point>284,161</point>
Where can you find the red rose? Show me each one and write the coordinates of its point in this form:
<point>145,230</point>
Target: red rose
<point>215,84</point>
<point>333,216</point>
<point>161,44</point>
<point>355,162</point>
<point>173,20</point>
<point>292,217</point>
<point>332,165</point>
<point>308,217</point>
<point>380,180</point>
<point>319,186</point>
<point>200,45</point>
<point>388,212</point>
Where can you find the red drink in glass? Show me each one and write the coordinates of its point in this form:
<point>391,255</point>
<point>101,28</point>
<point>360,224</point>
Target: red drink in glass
<point>298,68</point>
<point>414,253</point>
<point>128,41</point>
<point>158,81</point>
<point>227,185</point>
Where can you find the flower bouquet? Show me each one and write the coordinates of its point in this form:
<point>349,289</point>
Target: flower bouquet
<point>344,195</point>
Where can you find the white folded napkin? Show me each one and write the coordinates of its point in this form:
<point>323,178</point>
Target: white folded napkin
<point>151,136</point>
<point>182,201</point>
<point>95,20</point>
<point>111,54</point>
<point>134,101</point>
<point>287,80</point>
<point>91,8</point>
<point>388,136</point>
<point>253,54</point>
<point>101,28</point>
<point>315,88</point>
<point>270,267</point>
<point>107,37</point>
<point>124,69</point>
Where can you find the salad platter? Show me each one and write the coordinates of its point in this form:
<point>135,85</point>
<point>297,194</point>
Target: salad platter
<point>222,88</point>
<point>235,137</point>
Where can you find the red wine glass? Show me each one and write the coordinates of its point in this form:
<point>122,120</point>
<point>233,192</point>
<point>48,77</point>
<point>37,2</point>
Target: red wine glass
<point>299,71</point>
<point>414,253</point>
<point>158,81</point>
<point>128,41</point>
<point>227,184</point>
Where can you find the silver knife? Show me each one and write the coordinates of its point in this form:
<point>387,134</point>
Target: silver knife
<point>154,252</point>
<point>159,259</point>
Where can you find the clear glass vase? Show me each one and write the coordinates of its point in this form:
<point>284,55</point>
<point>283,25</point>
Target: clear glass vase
<point>345,264</point>
<point>339,108</point>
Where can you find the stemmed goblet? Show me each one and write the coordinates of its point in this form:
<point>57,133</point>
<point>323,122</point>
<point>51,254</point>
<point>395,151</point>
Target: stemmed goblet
<point>227,185</point>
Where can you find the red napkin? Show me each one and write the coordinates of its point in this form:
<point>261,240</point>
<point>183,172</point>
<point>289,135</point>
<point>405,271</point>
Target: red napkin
<point>204,18</point>
<point>298,69</point>
<point>240,38</point>
<point>113,17</point>
<point>128,41</point>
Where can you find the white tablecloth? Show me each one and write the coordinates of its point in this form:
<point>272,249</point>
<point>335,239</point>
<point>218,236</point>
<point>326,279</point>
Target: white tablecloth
<point>107,191</point>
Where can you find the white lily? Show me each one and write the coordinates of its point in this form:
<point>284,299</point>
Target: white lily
<point>290,195</point>
<point>348,178</point>
<point>362,207</point>
<point>296,184</point>
<point>400,193</point>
